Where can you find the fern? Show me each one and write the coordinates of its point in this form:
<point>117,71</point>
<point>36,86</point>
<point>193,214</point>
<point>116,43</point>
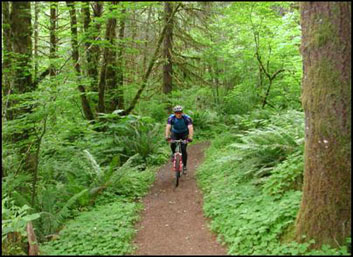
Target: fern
<point>64,212</point>
<point>94,164</point>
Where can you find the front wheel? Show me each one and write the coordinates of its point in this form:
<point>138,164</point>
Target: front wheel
<point>177,169</point>
<point>177,176</point>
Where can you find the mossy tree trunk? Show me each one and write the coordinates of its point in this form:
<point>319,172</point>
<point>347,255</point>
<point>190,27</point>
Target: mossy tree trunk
<point>325,211</point>
<point>168,48</point>
<point>36,38</point>
<point>75,56</point>
<point>53,39</point>
<point>92,29</point>
<point>109,91</point>
<point>119,99</point>
<point>6,64</point>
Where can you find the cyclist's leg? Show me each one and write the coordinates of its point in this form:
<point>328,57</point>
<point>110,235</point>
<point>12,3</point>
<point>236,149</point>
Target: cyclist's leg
<point>183,150</point>
<point>173,145</point>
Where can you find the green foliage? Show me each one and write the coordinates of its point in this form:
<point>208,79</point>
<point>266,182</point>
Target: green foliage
<point>248,175</point>
<point>134,183</point>
<point>14,221</point>
<point>260,149</point>
<point>140,135</point>
<point>255,163</point>
<point>240,100</point>
<point>286,176</point>
<point>105,230</point>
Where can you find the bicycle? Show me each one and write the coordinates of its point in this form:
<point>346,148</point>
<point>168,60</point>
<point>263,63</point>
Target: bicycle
<point>177,160</point>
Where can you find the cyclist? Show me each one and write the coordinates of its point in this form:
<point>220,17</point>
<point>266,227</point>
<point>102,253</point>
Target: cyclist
<point>181,127</point>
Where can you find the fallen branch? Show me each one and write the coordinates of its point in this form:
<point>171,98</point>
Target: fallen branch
<point>33,248</point>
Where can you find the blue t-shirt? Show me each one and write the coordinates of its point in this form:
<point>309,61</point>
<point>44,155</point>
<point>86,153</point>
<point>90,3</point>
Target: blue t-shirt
<point>179,125</point>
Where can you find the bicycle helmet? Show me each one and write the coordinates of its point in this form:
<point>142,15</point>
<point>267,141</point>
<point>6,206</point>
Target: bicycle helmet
<point>178,108</point>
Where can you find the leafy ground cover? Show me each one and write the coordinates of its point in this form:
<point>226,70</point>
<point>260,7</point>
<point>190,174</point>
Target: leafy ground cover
<point>251,182</point>
<point>107,228</point>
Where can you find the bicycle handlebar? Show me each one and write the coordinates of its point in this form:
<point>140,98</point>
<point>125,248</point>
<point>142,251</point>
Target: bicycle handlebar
<point>179,141</point>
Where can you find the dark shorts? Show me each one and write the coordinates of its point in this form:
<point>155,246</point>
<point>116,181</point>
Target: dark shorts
<point>177,136</point>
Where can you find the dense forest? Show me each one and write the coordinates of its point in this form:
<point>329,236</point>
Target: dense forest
<point>87,88</point>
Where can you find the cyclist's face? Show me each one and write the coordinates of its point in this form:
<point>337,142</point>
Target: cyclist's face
<point>178,114</point>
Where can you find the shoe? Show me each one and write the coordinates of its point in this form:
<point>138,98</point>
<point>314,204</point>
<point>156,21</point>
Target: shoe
<point>184,170</point>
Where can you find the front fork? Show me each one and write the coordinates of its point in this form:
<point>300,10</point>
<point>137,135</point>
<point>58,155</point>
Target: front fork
<point>178,158</point>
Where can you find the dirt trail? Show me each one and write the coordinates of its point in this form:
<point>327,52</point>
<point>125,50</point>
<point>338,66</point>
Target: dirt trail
<point>172,221</point>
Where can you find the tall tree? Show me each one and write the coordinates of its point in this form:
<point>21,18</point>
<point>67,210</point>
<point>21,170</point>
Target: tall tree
<point>120,62</point>
<point>36,37</point>
<point>325,211</point>
<point>53,39</point>
<point>6,32</point>
<point>21,46</point>
<point>168,48</point>
<point>92,32</point>
<point>21,30</point>
<point>107,80</point>
<point>111,77</point>
<point>75,56</point>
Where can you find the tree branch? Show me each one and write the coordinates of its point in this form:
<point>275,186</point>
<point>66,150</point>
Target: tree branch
<point>150,66</point>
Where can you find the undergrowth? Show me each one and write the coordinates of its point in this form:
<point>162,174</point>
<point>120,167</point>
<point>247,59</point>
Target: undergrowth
<point>108,227</point>
<point>105,230</point>
<point>251,180</point>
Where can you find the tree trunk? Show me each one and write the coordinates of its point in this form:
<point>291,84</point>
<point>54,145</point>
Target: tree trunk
<point>108,78</point>
<point>325,211</point>
<point>119,101</point>
<point>21,45</point>
<point>6,69</point>
<point>36,37</point>
<point>95,50</point>
<point>53,40</point>
<point>21,30</point>
<point>92,49</point>
<point>75,56</point>
<point>168,48</point>
<point>147,40</point>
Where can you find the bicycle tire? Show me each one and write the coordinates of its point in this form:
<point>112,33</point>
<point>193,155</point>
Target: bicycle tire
<point>177,176</point>
<point>177,169</point>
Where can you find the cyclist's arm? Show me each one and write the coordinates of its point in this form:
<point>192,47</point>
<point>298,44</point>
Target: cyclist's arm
<point>191,131</point>
<point>167,130</point>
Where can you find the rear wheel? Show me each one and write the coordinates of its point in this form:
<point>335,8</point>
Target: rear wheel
<point>177,169</point>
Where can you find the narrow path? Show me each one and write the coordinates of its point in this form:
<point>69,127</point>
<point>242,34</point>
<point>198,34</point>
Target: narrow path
<point>172,221</point>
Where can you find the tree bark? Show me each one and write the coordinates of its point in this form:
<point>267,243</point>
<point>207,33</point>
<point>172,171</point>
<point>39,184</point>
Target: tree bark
<point>36,36</point>
<point>168,48</point>
<point>108,78</point>
<point>119,101</point>
<point>147,33</point>
<point>325,211</point>
<point>53,40</point>
<point>21,68</point>
<point>92,31</point>
<point>75,56</point>
<point>33,248</point>
<point>111,79</point>
<point>21,30</point>
<point>6,74</point>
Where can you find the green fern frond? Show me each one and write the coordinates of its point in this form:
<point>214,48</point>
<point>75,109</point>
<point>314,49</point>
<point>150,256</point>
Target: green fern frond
<point>64,210</point>
<point>96,168</point>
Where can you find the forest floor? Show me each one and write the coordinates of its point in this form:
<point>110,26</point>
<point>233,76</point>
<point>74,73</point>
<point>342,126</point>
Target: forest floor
<point>172,222</point>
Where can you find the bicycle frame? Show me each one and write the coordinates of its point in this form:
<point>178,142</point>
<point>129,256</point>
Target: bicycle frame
<point>177,162</point>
